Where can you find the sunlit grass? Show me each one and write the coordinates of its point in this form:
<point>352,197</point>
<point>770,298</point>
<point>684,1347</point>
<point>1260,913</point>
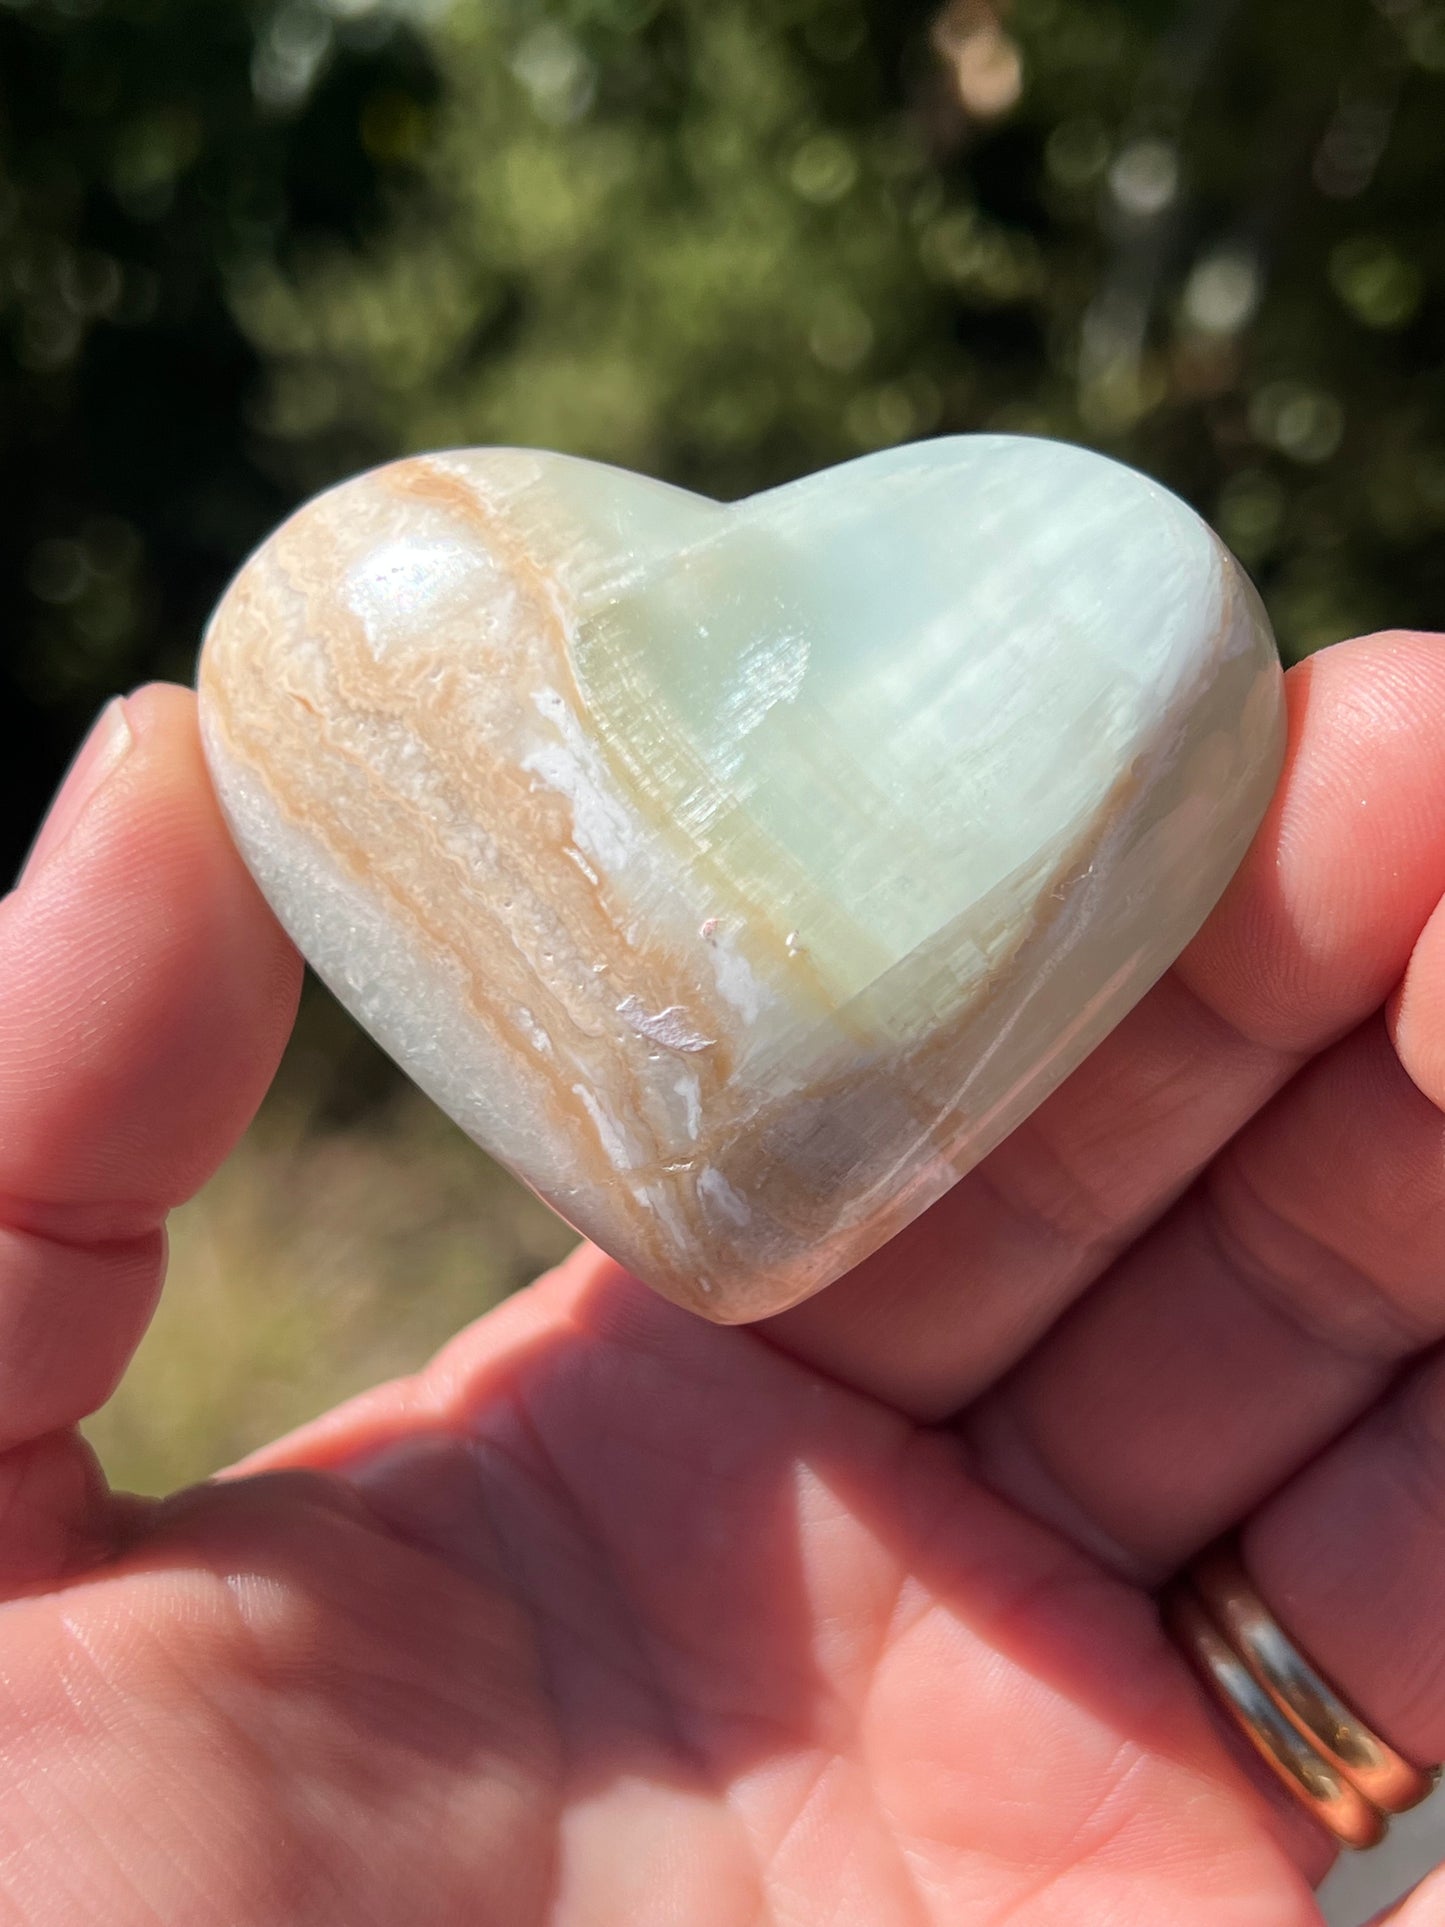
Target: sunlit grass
<point>329,1252</point>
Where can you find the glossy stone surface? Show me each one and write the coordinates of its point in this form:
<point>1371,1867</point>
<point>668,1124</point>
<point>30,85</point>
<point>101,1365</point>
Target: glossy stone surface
<point>741,875</point>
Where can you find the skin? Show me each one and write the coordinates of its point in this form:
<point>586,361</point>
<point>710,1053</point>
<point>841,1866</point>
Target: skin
<point>610,1616</point>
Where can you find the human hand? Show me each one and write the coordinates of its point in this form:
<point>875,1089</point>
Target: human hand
<point>612,1617</point>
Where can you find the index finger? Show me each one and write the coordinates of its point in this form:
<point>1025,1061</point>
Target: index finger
<point>1311,937</point>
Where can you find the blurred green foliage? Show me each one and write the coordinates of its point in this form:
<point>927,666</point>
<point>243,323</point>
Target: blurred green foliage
<point>329,1253</point>
<point>246,249</point>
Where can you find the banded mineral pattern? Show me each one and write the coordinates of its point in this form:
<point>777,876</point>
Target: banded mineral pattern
<point>740,875</point>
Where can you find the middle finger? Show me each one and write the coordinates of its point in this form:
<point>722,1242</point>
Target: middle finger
<point>1268,1309</point>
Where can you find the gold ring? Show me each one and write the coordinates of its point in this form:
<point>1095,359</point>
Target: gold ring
<point>1341,1770</point>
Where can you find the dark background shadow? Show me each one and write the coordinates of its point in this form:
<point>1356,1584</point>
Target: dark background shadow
<point>245,250</point>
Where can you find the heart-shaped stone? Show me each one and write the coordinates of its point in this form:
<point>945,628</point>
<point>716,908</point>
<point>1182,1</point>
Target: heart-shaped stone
<point>741,875</point>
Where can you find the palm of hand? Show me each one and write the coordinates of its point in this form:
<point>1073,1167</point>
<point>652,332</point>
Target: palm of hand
<point>649,1624</point>
<point>614,1617</point>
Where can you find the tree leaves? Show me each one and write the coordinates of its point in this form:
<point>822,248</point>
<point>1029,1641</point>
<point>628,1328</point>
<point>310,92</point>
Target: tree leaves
<point>724,240</point>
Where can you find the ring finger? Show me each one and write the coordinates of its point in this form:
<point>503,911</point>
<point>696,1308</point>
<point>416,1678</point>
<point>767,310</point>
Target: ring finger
<point>1349,1558</point>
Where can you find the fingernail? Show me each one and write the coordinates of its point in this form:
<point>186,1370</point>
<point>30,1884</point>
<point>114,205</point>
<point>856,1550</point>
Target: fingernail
<point>97,759</point>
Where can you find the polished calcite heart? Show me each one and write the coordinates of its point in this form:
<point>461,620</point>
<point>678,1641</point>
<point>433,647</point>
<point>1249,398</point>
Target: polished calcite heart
<point>741,875</point>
